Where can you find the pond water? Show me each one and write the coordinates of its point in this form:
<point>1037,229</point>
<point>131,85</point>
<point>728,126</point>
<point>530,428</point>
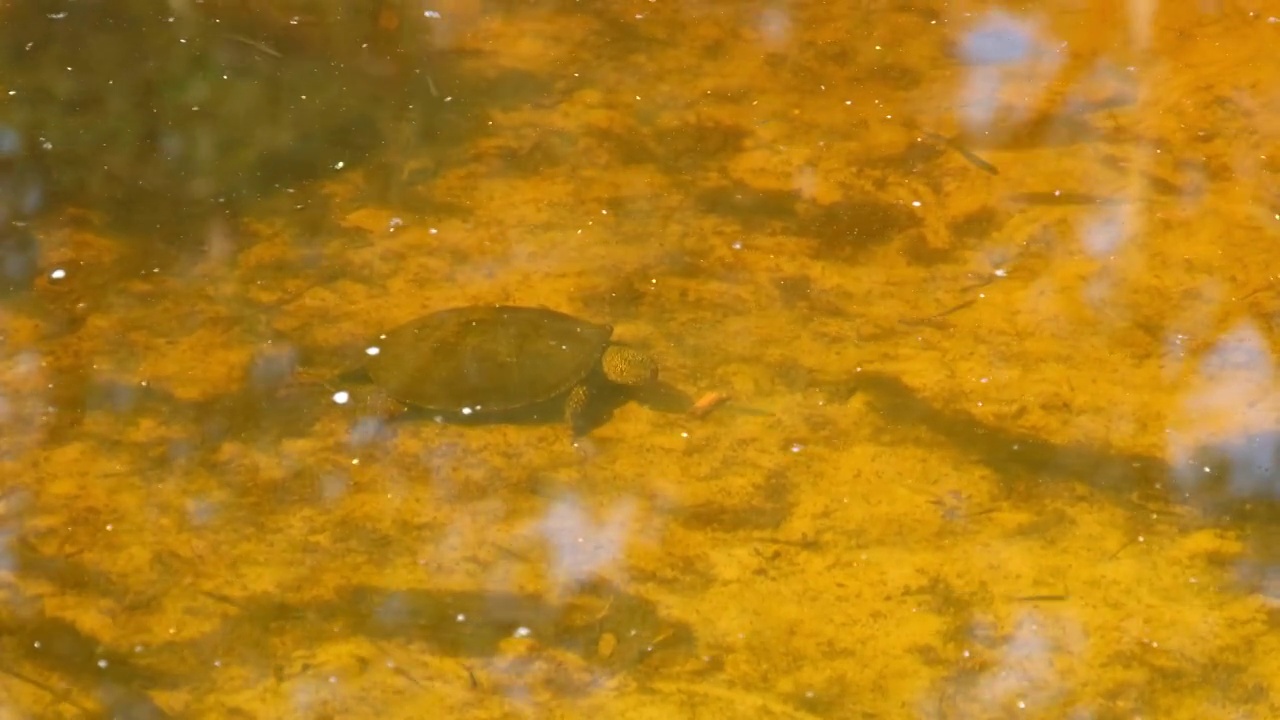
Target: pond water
<point>965,316</point>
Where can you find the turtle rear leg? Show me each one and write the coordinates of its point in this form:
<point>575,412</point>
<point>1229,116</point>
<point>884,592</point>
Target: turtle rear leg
<point>575,409</point>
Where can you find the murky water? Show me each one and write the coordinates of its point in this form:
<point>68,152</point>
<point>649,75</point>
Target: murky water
<point>992,292</point>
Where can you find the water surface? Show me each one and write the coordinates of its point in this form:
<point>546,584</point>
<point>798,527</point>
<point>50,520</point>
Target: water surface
<point>992,291</point>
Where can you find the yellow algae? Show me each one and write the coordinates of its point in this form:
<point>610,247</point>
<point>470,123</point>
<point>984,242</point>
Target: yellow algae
<point>991,293</point>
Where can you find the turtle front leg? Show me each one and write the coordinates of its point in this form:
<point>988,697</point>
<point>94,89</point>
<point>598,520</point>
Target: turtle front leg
<point>575,409</point>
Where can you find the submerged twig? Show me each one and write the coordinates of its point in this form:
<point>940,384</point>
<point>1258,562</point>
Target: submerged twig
<point>261,47</point>
<point>708,402</point>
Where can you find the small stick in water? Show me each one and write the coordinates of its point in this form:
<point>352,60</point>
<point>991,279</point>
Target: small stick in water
<point>262,47</point>
<point>708,402</point>
<point>973,159</point>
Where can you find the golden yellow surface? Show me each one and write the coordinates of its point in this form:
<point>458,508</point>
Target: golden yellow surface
<point>1000,444</point>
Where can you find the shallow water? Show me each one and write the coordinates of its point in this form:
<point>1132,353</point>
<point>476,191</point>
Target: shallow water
<point>992,291</point>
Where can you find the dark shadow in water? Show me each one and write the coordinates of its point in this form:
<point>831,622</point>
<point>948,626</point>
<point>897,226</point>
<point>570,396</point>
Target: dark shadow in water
<point>33,646</point>
<point>1013,454</point>
<point>1240,475</point>
<point>663,397</point>
<point>265,631</point>
<point>173,117</point>
<point>1235,481</point>
<point>252,413</point>
<point>605,401</point>
<point>19,253</point>
<point>458,623</point>
<point>748,205</point>
<point>842,230</point>
<point>1060,198</point>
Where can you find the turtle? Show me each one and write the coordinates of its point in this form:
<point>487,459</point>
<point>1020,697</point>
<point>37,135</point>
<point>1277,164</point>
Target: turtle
<point>482,361</point>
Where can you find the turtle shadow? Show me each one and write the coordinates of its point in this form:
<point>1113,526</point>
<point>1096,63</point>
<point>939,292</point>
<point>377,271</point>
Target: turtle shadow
<point>658,396</point>
<point>661,396</point>
<point>606,398</point>
<point>548,412</point>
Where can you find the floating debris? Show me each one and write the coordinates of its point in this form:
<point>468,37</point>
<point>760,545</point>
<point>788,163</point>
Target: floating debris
<point>708,402</point>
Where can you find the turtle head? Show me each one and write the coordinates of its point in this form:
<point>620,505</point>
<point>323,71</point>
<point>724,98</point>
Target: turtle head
<point>628,366</point>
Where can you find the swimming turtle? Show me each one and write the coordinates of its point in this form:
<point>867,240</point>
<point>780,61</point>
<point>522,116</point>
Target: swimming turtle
<point>485,360</point>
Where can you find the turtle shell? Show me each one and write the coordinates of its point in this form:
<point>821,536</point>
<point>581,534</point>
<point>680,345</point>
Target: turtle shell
<point>486,358</point>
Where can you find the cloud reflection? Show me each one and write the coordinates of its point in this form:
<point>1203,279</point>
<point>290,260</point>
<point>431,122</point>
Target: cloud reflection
<point>998,47</point>
<point>1226,440</point>
<point>582,547</point>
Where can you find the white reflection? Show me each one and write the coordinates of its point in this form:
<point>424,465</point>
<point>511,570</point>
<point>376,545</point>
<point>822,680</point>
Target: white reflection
<point>25,407</point>
<point>1105,231</point>
<point>581,546</point>
<point>1227,437</point>
<point>12,505</point>
<point>774,26</point>
<point>1141,14</point>
<point>1262,577</point>
<point>998,49</point>
<point>998,38</point>
<point>450,21</point>
<point>1024,676</point>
